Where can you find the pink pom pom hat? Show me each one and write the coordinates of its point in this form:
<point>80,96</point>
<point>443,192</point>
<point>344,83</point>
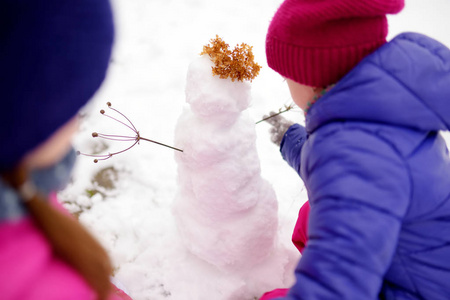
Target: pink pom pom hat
<point>317,42</point>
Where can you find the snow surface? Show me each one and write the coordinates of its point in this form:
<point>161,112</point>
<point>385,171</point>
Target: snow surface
<point>132,214</point>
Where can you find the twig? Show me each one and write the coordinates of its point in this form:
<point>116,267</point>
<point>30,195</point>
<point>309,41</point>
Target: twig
<point>280,111</point>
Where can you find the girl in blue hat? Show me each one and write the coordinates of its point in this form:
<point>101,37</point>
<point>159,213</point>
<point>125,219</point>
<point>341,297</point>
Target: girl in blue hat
<point>53,57</point>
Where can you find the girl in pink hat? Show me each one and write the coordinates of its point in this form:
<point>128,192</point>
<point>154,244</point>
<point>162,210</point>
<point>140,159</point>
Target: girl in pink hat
<point>375,166</point>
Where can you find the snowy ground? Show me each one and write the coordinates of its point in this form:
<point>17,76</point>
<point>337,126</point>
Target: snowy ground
<point>126,201</point>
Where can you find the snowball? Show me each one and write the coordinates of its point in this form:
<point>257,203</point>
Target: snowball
<point>212,97</point>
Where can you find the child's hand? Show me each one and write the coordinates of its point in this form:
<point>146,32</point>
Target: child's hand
<point>279,126</point>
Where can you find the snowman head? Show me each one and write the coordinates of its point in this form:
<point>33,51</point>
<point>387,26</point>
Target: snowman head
<point>212,96</point>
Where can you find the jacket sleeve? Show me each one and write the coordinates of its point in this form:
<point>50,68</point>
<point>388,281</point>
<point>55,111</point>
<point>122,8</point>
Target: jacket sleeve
<point>291,145</point>
<point>359,190</point>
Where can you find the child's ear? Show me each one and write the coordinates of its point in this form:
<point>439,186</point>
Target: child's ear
<point>317,89</point>
<point>16,177</point>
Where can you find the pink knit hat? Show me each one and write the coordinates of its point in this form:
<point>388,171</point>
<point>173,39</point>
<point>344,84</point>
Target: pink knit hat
<point>317,42</point>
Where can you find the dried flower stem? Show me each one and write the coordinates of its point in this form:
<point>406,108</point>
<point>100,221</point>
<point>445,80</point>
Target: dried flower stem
<point>161,144</point>
<point>122,138</point>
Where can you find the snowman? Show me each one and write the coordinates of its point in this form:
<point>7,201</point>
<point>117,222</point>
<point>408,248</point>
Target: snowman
<point>225,211</point>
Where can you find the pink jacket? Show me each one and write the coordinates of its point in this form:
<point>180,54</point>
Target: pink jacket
<point>299,238</point>
<point>30,270</point>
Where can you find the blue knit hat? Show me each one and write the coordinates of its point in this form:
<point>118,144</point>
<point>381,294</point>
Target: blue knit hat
<point>53,57</point>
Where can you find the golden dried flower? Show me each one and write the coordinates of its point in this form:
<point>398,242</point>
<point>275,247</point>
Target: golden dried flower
<point>237,64</point>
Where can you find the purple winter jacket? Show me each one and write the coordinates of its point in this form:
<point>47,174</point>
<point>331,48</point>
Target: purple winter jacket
<point>377,172</point>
